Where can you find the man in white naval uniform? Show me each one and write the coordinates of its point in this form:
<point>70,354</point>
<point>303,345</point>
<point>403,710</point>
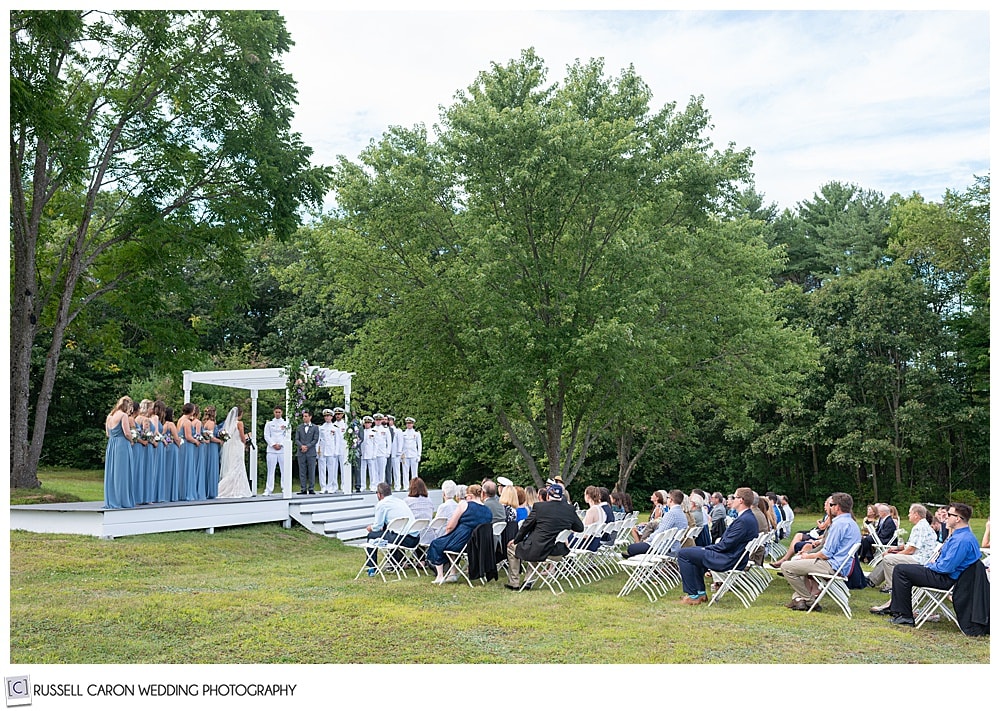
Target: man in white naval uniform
<point>328,453</point>
<point>276,436</point>
<point>412,448</point>
<point>368,447</point>
<point>381,447</point>
<point>395,450</point>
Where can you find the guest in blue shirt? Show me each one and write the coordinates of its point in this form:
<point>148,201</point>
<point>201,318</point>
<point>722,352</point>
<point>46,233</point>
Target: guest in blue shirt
<point>841,536</point>
<point>958,552</point>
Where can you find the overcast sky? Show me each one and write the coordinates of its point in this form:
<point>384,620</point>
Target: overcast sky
<point>892,101</point>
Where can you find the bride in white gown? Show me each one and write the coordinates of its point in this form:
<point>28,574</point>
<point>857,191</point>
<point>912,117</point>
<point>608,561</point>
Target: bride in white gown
<point>233,483</point>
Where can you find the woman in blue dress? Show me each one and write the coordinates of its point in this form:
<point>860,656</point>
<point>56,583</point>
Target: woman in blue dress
<point>157,489</point>
<point>191,436</point>
<point>118,457</point>
<point>212,452</point>
<point>469,514</point>
<point>148,451</point>
<point>139,423</point>
<point>171,457</point>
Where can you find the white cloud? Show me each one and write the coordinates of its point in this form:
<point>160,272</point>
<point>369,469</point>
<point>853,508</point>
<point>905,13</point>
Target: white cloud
<point>891,101</point>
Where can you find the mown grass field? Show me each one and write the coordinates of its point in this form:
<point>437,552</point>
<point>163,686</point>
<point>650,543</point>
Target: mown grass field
<point>263,594</point>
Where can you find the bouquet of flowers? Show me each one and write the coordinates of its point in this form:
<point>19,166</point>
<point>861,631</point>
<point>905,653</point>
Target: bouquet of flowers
<point>223,435</point>
<point>133,435</point>
<point>205,436</point>
<point>167,439</point>
<point>352,437</point>
<point>157,438</point>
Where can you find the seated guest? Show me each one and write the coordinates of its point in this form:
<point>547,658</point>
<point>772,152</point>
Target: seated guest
<point>786,510</point>
<point>449,496</point>
<point>469,514</point>
<point>806,541</point>
<point>940,524</point>
<point>704,537</point>
<point>958,552</point>
<point>672,517</point>
<point>596,513</point>
<point>418,500</point>
<point>642,531</point>
<point>894,515</point>
<point>508,498</point>
<point>885,528</point>
<point>918,549</point>
<point>694,562</point>
<point>717,516</point>
<point>536,539</point>
<point>492,501</point>
<point>621,503</point>
<point>842,534</point>
<point>387,509</point>
<point>871,515</point>
<point>522,503</point>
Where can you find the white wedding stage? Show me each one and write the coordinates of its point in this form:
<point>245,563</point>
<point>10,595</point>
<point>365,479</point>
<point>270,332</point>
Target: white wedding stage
<point>342,516</point>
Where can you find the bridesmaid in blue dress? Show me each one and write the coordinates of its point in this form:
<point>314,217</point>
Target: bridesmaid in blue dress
<point>197,477</point>
<point>157,490</point>
<point>118,457</point>
<point>149,452</point>
<point>171,457</point>
<point>189,452</point>
<point>139,456</point>
<point>213,452</point>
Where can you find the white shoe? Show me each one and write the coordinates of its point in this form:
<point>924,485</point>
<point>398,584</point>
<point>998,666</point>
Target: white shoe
<point>451,579</point>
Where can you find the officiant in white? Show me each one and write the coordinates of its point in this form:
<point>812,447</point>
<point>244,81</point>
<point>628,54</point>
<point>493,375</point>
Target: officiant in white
<point>233,481</point>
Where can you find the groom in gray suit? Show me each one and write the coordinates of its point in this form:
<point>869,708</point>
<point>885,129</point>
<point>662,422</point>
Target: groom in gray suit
<point>307,437</point>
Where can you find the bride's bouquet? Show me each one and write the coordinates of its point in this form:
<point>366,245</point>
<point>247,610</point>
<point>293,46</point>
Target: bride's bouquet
<point>223,435</point>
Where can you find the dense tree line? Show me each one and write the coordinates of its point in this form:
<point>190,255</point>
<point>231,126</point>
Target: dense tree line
<point>559,279</point>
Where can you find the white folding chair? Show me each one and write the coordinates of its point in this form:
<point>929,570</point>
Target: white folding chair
<point>542,570</point>
<point>498,528</point>
<point>573,567</point>
<point>726,579</point>
<point>435,529</point>
<point>399,527</point>
<point>880,548</point>
<point>931,601</point>
<point>410,554</point>
<point>651,571</point>
<point>836,583</point>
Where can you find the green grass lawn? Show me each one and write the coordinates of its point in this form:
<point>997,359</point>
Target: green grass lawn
<point>263,594</point>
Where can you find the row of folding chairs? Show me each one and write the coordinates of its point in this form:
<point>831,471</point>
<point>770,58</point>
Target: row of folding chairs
<point>746,580</point>
<point>656,572</point>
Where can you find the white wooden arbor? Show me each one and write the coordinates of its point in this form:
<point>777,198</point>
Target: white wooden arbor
<point>258,379</point>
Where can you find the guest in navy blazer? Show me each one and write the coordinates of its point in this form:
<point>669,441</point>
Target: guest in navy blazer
<point>719,556</point>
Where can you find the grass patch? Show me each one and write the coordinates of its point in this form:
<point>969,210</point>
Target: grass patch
<point>263,595</point>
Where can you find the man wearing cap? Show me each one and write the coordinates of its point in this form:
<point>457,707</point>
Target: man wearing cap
<point>394,471</point>
<point>502,483</point>
<point>307,437</point>
<point>412,447</point>
<point>276,436</point>
<point>721,556</point>
<point>331,453</point>
<point>368,447</point>
<point>536,538</point>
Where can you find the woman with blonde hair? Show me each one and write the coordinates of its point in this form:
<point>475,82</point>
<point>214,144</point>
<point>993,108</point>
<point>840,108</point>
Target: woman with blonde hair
<point>211,453</point>
<point>470,513</point>
<point>508,497</point>
<point>142,456</point>
<point>118,457</point>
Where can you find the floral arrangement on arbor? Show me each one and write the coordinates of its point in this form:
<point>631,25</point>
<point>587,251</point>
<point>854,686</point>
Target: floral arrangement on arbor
<point>352,438</point>
<point>302,385</point>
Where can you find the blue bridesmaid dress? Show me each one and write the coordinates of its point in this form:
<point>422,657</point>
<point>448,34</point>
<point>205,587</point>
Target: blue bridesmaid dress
<point>196,477</point>
<point>149,453</point>
<point>138,477</point>
<point>160,476</point>
<point>188,471</point>
<point>117,471</point>
<point>213,454</point>
<point>171,454</point>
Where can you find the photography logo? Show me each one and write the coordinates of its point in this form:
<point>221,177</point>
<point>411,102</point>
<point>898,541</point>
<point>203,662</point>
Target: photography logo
<point>18,690</point>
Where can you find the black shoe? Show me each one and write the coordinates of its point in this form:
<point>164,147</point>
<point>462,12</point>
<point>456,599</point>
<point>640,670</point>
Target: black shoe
<point>512,587</point>
<point>900,620</point>
<point>869,583</point>
<point>311,491</point>
<point>302,492</point>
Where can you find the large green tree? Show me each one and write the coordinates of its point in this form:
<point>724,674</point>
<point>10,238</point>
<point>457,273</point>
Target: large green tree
<point>137,139</point>
<point>555,251</point>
